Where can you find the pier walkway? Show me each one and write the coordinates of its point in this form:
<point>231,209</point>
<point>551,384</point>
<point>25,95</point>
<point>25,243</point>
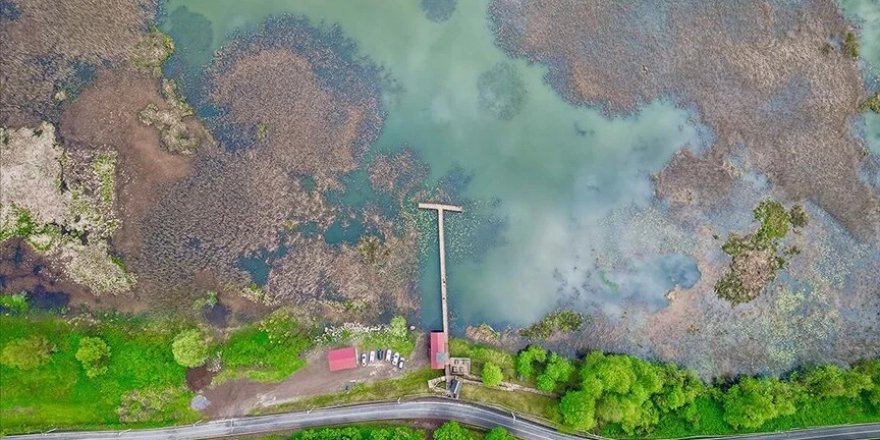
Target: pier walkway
<point>441,208</point>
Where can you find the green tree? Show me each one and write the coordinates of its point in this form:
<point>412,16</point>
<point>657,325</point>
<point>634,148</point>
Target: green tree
<point>492,374</point>
<point>190,348</point>
<point>398,327</point>
<point>526,359</point>
<point>498,433</point>
<point>755,401</point>
<point>578,409</point>
<point>833,381</point>
<point>94,355</point>
<point>451,430</point>
<point>558,369</point>
<point>26,353</point>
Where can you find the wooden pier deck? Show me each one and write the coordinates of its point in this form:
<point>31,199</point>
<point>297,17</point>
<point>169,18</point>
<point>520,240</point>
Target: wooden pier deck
<point>440,208</point>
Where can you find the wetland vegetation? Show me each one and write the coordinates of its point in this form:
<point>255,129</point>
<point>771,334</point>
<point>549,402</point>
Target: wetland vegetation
<point>671,213</point>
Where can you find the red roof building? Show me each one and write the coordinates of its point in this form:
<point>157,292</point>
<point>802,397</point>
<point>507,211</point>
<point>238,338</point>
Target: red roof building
<point>439,350</point>
<point>342,359</point>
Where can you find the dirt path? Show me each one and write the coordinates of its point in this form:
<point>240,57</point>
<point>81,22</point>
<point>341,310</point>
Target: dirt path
<point>239,397</point>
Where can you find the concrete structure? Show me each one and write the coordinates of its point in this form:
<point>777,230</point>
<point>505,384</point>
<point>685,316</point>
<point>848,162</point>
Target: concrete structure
<point>441,208</point>
<point>342,359</point>
<point>439,350</point>
<point>460,366</point>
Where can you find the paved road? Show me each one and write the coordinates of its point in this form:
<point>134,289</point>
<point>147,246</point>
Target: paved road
<point>441,409</point>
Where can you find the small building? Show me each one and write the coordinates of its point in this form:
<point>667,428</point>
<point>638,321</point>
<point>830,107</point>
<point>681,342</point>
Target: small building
<point>460,366</point>
<point>454,388</point>
<point>342,358</point>
<point>439,350</point>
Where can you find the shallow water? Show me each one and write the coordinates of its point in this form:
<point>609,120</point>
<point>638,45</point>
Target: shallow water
<point>561,179</point>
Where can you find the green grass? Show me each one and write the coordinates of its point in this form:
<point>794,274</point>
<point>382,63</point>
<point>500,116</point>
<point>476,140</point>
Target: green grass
<point>59,394</point>
<point>480,354</point>
<point>412,384</point>
<point>375,340</point>
<point>268,351</point>
<point>519,401</point>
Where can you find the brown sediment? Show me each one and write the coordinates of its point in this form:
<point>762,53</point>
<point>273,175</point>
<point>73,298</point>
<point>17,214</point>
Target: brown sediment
<point>755,73</point>
<point>42,47</point>
<point>24,270</point>
<point>106,114</point>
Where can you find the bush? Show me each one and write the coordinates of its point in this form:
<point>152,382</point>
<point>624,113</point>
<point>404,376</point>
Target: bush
<point>268,351</point>
<point>190,348</point>
<point>26,353</point>
<point>498,433</point>
<point>451,430</point>
<point>753,401</point>
<point>14,303</point>
<point>492,374</point>
<point>525,360</point>
<point>94,354</point>
<point>851,45</point>
<point>558,369</point>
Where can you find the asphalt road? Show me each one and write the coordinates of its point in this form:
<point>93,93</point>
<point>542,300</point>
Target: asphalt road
<point>440,409</point>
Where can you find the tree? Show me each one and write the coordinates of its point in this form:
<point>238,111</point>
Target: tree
<point>451,430</point>
<point>498,433</point>
<point>190,348</point>
<point>558,369</point>
<point>753,401</point>
<point>26,353</point>
<point>578,409</point>
<point>398,327</point>
<point>525,360</point>
<point>94,354</point>
<point>492,374</point>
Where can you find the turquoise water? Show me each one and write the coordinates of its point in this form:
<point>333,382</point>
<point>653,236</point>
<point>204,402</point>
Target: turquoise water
<point>559,178</point>
<point>866,15</point>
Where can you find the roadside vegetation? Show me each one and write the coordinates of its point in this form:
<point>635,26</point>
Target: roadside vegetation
<point>90,373</point>
<point>448,431</point>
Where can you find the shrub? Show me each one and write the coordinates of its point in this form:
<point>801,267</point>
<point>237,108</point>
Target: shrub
<point>451,430</point>
<point>492,374</point>
<point>14,303</point>
<point>26,353</point>
<point>94,354</point>
<point>190,348</point>
<point>851,45</point>
<point>755,401</point>
<point>498,433</point>
<point>558,369</point>
<point>525,360</point>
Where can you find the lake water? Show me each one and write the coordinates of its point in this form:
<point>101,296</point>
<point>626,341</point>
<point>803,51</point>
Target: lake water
<point>562,182</point>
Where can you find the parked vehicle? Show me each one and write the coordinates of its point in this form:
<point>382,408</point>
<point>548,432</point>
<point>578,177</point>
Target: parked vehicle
<point>380,354</point>
<point>395,358</point>
<point>400,364</point>
<point>388,354</point>
<point>372,356</point>
<point>363,359</point>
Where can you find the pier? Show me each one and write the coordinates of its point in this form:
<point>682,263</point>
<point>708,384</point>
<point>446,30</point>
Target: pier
<point>441,208</point>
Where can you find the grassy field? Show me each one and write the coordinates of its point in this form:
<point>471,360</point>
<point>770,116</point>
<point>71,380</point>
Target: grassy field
<point>480,354</point>
<point>519,401</point>
<point>59,394</point>
<point>412,384</point>
<point>268,351</point>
